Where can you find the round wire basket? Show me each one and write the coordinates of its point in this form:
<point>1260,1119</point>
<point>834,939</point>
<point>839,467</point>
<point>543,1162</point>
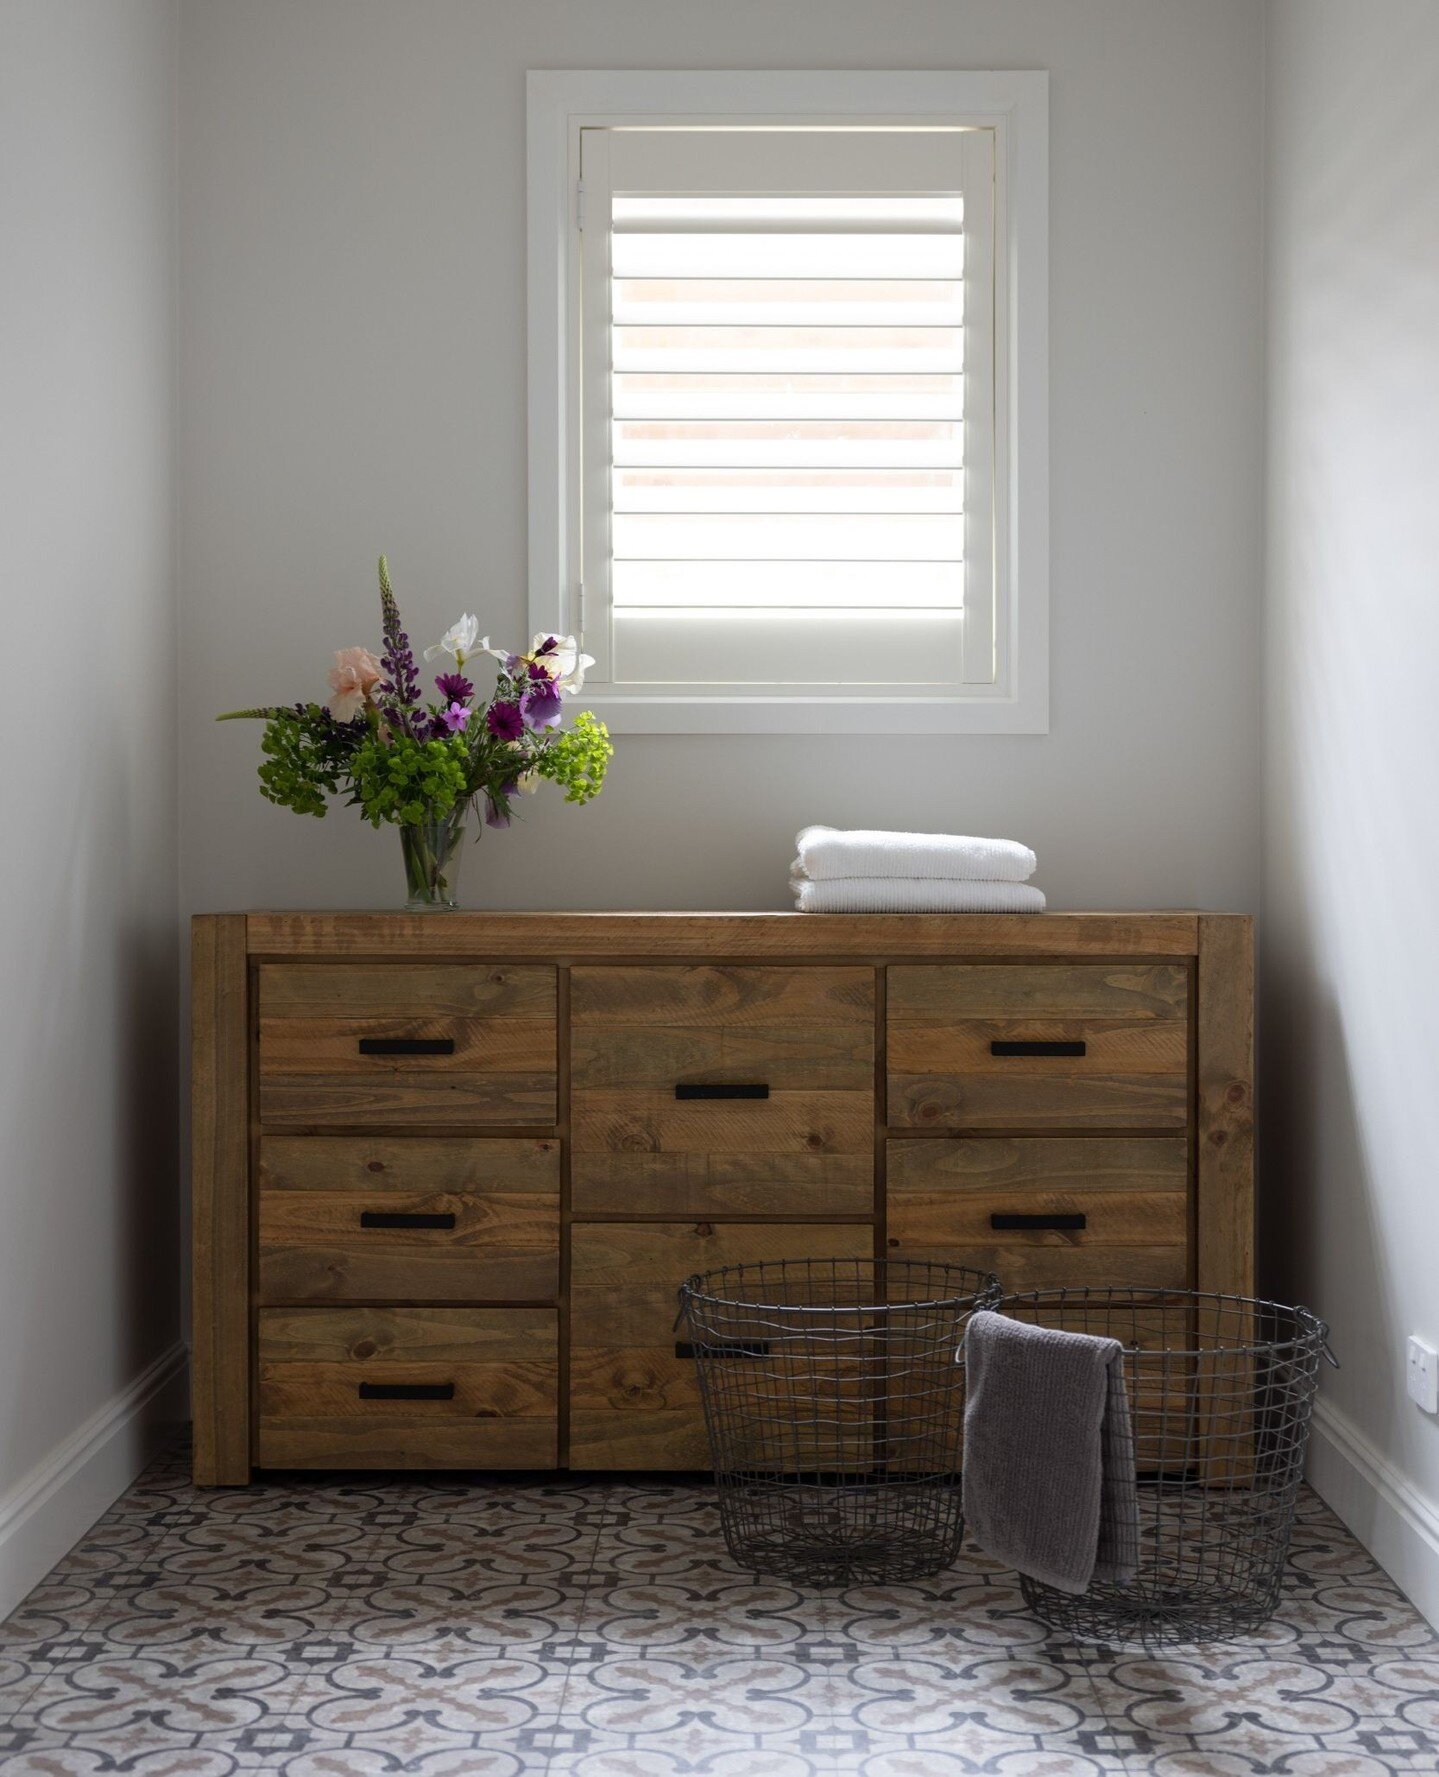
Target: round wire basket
<point>835,1411</point>
<point>1221,1390</point>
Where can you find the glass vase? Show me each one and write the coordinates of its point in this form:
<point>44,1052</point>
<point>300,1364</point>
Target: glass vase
<point>432,861</point>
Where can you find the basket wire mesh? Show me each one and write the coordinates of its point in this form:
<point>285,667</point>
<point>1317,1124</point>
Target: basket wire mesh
<point>1221,1390</point>
<point>835,1410</point>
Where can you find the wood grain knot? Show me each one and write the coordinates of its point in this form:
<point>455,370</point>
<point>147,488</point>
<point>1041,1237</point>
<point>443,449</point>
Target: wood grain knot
<point>704,1229</point>
<point>375,1166</point>
<point>365,1348</point>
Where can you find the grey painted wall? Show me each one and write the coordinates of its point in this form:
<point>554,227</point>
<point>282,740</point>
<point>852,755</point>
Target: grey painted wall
<point>353,312</point>
<point>89,1289</point>
<point>1351,1112</point>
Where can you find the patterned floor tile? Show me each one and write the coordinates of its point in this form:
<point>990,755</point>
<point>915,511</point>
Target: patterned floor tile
<point>981,1709</point>
<point>474,1613</point>
<point>579,1750</point>
<point>338,1626</point>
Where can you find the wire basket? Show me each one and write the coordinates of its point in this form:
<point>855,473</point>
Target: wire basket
<point>1220,1394</point>
<point>835,1411</point>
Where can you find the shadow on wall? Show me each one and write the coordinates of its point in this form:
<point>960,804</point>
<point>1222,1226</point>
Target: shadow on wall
<point>146,1045</point>
<point>1311,1132</point>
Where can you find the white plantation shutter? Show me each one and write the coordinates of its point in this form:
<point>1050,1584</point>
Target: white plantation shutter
<point>787,392</point>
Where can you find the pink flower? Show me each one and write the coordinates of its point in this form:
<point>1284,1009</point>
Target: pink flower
<point>455,718</point>
<point>353,679</point>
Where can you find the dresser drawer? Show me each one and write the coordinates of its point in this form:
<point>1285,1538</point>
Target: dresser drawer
<point>421,1044</point>
<point>634,1400</point>
<point>1044,1213</point>
<point>408,1219</point>
<point>745,1063</point>
<point>1044,1046</point>
<point>407,1387</point>
<point>710,1184</point>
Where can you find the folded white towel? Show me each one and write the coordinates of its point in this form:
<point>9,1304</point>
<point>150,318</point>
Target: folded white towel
<point>913,894</point>
<point>826,852</point>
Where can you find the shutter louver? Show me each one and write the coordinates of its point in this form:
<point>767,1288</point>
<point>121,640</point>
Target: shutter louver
<point>785,430</point>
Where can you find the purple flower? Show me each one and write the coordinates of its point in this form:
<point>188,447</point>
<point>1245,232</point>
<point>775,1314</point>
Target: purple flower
<point>542,705</point>
<point>402,681</point>
<point>455,718</point>
<point>496,813</point>
<point>505,721</point>
<point>454,687</point>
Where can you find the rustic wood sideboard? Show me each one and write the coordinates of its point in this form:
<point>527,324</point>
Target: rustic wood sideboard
<point>449,1169</point>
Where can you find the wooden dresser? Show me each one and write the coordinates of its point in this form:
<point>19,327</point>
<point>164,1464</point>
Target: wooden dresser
<point>448,1170</point>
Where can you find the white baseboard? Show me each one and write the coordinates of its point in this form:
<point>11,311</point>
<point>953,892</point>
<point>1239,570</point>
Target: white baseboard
<point>1397,1523</point>
<point>50,1509</point>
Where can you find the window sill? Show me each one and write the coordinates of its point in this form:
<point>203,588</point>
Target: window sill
<point>819,715</point>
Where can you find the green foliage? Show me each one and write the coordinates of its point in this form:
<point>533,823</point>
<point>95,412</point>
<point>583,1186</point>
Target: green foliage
<point>492,762</point>
<point>409,781</point>
<point>306,755</point>
<point>577,759</point>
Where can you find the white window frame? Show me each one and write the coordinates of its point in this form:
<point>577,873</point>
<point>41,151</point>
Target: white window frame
<point>1016,106</point>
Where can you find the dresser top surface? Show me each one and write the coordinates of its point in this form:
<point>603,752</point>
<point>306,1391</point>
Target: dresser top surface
<point>759,935</point>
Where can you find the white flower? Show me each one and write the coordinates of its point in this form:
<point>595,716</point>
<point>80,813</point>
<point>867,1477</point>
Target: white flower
<point>566,665</point>
<point>528,781</point>
<point>459,639</point>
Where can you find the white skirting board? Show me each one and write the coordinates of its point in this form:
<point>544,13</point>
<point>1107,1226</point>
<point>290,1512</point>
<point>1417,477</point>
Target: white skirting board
<point>50,1509</point>
<point>1397,1523</point>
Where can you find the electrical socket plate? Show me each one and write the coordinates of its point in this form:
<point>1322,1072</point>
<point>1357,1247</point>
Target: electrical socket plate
<point>1422,1375</point>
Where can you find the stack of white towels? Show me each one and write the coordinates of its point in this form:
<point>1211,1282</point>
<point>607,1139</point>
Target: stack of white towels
<point>864,872</point>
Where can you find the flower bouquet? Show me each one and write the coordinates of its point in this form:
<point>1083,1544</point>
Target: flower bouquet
<point>423,763</point>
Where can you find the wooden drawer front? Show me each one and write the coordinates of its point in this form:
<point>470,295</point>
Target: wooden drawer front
<point>657,1050</point>
<point>410,1219</point>
<point>331,1384</point>
<point>1056,1046</point>
<point>708,1184</point>
<point>1012,1207</point>
<point>634,1404</point>
<point>441,1043</point>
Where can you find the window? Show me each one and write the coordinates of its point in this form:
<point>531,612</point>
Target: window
<point>777,486</point>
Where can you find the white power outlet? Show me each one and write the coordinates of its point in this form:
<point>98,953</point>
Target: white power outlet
<point>1422,1375</point>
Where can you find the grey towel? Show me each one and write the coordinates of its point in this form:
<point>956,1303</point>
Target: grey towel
<point>1049,1482</point>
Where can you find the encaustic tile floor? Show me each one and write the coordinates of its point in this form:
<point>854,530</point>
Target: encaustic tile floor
<point>339,1627</point>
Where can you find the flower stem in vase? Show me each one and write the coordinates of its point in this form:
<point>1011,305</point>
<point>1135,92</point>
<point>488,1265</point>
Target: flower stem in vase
<point>431,851</point>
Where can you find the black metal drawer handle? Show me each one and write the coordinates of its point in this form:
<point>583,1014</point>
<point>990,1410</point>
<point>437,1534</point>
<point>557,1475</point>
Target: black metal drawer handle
<point>396,1218</point>
<point>1006,1048</point>
<point>709,1091</point>
<point>407,1391</point>
<point>407,1045</point>
<point>739,1348</point>
<point>1006,1224</point>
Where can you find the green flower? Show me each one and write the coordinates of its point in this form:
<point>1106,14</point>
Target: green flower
<point>577,759</point>
<point>407,781</point>
<point>306,757</point>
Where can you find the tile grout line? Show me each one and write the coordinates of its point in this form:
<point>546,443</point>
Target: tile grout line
<point>333,1609</point>
<point>604,1515</point>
